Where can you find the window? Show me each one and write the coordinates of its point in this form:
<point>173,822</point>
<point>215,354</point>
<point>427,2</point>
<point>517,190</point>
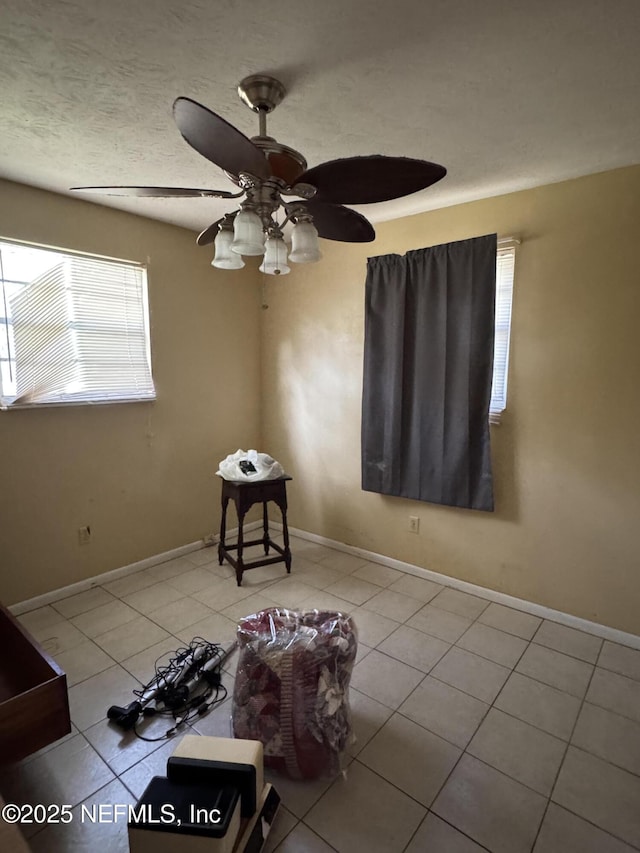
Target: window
<point>504,296</point>
<point>73,329</point>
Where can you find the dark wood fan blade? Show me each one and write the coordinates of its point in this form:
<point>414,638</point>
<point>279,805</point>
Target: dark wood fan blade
<point>157,192</point>
<point>335,222</point>
<point>217,140</point>
<point>364,180</point>
<point>209,234</point>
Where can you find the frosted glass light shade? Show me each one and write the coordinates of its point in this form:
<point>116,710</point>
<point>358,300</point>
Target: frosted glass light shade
<point>275,257</point>
<point>248,238</point>
<point>224,258</point>
<point>304,244</point>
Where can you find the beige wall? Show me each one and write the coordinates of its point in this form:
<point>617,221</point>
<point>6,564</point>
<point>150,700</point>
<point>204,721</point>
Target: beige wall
<point>140,474</point>
<point>566,458</point>
<point>566,531</point>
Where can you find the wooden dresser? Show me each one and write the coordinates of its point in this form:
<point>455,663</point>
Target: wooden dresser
<point>34,705</point>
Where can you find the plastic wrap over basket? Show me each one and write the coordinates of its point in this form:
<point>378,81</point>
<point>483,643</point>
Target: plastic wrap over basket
<point>292,688</point>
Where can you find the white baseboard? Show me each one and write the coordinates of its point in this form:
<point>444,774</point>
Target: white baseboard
<point>604,631</point>
<point>106,577</point>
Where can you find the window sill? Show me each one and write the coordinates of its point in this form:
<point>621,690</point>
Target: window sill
<point>4,407</point>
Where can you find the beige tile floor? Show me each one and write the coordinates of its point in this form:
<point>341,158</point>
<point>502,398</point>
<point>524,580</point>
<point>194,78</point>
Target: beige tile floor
<point>479,727</point>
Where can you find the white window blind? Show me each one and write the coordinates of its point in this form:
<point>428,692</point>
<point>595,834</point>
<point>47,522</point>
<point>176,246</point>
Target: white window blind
<point>505,266</point>
<point>74,329</point>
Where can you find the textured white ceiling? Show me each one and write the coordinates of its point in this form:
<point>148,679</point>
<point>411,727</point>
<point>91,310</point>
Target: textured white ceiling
<point>506,94</point>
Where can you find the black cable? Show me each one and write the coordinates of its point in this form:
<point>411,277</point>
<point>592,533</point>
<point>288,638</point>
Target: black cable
<point>173,698</point>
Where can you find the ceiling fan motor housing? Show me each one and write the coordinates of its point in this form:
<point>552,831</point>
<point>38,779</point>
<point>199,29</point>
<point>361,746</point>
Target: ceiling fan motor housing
<point>261,93</point>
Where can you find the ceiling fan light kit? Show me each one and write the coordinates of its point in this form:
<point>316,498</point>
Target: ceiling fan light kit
<point>225,258</point>
<point>276,188</point>
<point>248,238</point>
<point>304,243</point>
<point>275,257</point>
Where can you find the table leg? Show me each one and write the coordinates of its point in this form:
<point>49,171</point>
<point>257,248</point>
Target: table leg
<point>285,537</point>
<point>240,564</point>
<point>265,527</point>
<point>223,530</point>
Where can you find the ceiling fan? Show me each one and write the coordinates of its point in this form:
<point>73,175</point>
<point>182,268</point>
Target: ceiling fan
<point>273,178</point>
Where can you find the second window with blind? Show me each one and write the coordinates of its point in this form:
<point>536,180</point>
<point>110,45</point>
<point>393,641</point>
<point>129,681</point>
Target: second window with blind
<point>505,267</point>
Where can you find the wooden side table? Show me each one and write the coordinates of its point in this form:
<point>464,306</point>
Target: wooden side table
<point>245,495</point>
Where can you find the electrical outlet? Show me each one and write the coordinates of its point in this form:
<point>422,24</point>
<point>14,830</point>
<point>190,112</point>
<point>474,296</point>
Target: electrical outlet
<point>414,524</point>
<point>84,535</point>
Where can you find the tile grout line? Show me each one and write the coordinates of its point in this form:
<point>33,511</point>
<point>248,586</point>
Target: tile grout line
<point>564,755</point>
<point>110,782</point>
<point>586,819</point>
<point>532,677</point>
<point>463,752</point>
<point>321,837</point>
<point>491,705</point>
<point>595,754</point>
<point>455,829</point>
<point>429,673</point>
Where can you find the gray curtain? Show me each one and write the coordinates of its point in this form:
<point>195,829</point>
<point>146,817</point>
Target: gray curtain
<point>428,361</point>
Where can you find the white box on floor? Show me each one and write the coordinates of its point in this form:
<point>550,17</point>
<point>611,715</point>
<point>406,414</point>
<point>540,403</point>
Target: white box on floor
<point>214,800</point>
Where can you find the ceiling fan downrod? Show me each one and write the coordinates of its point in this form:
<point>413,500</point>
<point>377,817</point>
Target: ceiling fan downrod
<point>261,93</point>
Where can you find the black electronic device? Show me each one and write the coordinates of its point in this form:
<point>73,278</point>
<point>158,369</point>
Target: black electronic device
<point>220,761</point>
<point>214,800</point>
<point>191,809</point>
